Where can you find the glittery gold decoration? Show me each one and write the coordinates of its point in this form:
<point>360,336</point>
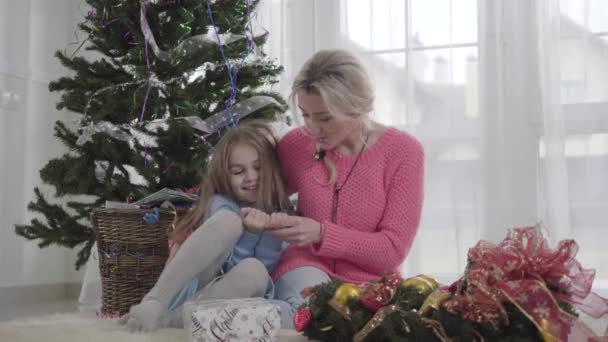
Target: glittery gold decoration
<point>342,309</point>
<point>433,301</point>
<point>346,291</point>
<point>375,322</point>
<point>423,283</point>
<point>545,326</point>
<point>437,329</point>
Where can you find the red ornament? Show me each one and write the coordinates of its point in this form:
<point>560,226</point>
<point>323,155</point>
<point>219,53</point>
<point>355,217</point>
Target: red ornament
<point>302,319</point>
<point>378,294</point>
<point>371,303</point>
<point>392,279</point>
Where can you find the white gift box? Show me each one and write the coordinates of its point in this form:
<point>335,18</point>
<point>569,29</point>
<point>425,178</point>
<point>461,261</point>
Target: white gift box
<point>245,319</point>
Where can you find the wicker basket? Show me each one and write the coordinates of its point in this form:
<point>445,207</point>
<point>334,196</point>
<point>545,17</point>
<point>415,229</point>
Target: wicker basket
<point>132,254</point>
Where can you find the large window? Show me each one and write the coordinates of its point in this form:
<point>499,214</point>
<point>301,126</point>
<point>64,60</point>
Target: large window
<point>423,56</point>
<point>428,60</point>
<point>584,89</point>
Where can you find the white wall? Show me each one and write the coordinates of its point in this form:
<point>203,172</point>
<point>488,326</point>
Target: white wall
<point>30,32</point>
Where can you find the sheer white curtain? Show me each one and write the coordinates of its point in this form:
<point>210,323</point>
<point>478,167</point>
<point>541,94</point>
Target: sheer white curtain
<point>30,32</point>
<point>509,98</point>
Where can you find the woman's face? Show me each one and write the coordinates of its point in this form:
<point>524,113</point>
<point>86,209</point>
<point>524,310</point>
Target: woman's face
<point>328,130</point>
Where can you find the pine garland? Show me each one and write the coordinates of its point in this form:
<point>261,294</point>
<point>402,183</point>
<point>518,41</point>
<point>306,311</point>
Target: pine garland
<point>409,324</point>
<point>517,290</point>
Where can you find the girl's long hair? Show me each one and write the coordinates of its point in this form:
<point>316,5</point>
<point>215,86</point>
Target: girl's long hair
<point>271,191</point>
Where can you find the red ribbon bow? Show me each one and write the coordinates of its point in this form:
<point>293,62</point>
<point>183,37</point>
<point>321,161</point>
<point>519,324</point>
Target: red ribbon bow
<point>524,271</point>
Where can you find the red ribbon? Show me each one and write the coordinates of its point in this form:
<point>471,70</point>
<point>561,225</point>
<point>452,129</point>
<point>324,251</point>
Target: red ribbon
<point>524,271</point>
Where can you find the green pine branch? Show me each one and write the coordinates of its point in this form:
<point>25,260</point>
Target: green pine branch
<point>61,228</point>
<point>114,87</point>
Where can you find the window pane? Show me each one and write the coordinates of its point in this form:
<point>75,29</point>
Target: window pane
<point>464,65</point>
<point>430,22</point>
<point>445,92</point>
<point>431,66</point>
<point>388,24</point>
<point>598,15</point>
<point>581,146</point>
<point>587,167</point>
<point>358,21</point>
<point>574,10</point>
<point>451,222</point>
<point>464,21</point>
<point>445,66</point>
<point>388,74</point>
<point>584,70</point>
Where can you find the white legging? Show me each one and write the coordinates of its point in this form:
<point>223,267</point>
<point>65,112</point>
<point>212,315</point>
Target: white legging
<point>203,254</point>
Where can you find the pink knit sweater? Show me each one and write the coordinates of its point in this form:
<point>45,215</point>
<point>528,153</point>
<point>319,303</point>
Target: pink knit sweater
<point>378,210</point>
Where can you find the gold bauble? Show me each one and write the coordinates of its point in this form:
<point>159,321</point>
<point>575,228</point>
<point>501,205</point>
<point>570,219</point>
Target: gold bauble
<point>423,283</point>
<point>346,291</point>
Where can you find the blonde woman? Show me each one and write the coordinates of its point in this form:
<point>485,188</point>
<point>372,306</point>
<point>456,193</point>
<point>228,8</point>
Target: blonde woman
<point>227,254</point>
<point>359,183</point>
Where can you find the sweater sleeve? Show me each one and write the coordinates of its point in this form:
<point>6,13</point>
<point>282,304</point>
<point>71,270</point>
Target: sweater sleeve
<point>386,248</point>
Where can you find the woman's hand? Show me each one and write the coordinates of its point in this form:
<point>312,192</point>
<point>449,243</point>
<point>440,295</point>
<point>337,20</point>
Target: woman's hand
<point>294,229</point>
<point>255,220</point>
<point>281,220</point>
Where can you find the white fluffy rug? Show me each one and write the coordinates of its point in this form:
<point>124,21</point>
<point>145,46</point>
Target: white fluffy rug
<point>75,327</point>
<point>79,327</point>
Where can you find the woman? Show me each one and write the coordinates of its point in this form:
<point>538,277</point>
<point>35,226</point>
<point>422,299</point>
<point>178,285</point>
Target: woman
<point>359,183</point>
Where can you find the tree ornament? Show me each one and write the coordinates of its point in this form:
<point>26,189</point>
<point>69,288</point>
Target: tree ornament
<point>378,294</point>
<point>392,279</point>
<point>375,298</point>
<point>302,319</point>
<point>346,291</point>
<point>423,283</point>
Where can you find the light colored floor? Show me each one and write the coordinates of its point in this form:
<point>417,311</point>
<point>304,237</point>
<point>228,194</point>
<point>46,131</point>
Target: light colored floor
<point>10,312</point>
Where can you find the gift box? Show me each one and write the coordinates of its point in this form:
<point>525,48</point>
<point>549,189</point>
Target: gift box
<point>246,319</point>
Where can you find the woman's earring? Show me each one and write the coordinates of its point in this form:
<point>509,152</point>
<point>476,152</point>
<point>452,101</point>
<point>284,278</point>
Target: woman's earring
<point>320,155</point>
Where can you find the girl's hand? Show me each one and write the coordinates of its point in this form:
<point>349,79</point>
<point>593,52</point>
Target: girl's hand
<point>281,220</point>
<point>255,220</point>
<point>296,229</point>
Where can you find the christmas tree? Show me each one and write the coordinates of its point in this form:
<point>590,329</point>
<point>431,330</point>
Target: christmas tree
<point>171,78</point>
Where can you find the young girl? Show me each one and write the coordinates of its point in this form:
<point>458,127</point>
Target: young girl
<point>220,259</point>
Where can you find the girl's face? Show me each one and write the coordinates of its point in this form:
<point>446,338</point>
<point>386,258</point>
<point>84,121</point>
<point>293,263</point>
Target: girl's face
<point>328,130</point>
<point>244,167</point>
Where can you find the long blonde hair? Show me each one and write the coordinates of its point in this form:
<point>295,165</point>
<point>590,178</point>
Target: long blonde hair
<point>271,194</point>
<point>341,80</point>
